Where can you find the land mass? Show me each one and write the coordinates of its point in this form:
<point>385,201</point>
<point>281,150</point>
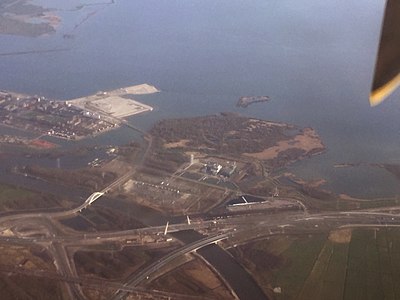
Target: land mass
<point>75,119</point>
<point>23,18</point>
<point>31,19</point>
<point>246,101</point>
<point>190,169</point>
<point>115,103</point>
<point>227,134</point>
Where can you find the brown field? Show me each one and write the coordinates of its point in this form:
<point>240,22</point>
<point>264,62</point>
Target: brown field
<point>340,236</point>
<point>193,278</point>
<point>308,141</point>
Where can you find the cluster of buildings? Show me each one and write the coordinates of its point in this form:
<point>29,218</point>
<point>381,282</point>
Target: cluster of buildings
<point>55,118</point>
<point>215,169</point>
<point>10,139</point>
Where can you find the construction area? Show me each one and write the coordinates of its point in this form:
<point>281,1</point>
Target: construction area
<point>115,103</point>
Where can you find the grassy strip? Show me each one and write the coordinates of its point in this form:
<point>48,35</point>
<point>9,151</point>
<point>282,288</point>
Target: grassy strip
<point>374,265</point>
<point>300,259</point>
<point>327,278</point>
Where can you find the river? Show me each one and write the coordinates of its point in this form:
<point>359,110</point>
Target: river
<point>244,286</point>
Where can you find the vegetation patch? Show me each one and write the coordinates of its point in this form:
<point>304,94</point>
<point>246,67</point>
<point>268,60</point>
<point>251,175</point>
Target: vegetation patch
<point>193,278</point>
<point>231,134</point>
<point>15,198</point>
<point>115,264</point>
<point>343,264</point>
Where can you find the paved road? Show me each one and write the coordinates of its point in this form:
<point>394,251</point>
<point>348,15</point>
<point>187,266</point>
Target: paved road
<point>135,279</point>
<point>256,225</point>
<point>61,214</point>
<point>271,225</point>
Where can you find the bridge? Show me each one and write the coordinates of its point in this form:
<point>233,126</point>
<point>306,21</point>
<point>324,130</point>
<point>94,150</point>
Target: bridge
<point>145,273</point>
<point>93,197</point>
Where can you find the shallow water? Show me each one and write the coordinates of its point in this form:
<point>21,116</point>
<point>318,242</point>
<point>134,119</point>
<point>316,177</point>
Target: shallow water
<point>314,59</point>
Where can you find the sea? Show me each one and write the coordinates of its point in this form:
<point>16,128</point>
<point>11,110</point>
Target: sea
<point>315,59</point>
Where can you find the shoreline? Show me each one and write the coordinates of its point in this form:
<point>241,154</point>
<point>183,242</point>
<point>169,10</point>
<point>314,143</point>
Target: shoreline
<point>76,119</point>
<point>114,104</point>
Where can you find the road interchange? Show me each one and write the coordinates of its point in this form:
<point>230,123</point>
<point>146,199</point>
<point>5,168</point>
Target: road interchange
<point>58,241</point>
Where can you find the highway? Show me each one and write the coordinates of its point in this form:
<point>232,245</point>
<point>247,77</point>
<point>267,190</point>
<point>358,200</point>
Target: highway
<point>64,268</point>
<point>231,230</point>
<point>234,229</point>
<point>293,224</point>
<point>62,214</point>
<point>99,284</point>
<point>52,236</point>
<point>145,273</point>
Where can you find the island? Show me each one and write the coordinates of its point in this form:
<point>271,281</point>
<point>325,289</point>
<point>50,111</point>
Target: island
<point>246,101</point>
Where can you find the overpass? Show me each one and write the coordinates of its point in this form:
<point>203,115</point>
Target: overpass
<point>92,198</point>
<point>134,280</point>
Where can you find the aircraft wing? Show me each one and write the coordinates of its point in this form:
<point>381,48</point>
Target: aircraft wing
<point>387,68</point>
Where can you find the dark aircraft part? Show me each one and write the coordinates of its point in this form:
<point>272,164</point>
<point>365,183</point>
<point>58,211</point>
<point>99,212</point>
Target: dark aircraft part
<point>387,69</point>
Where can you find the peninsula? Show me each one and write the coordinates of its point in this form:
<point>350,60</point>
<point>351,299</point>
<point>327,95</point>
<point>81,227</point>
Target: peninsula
<point>227,134</point>
<point>74,119</point>
<point>115,104</point>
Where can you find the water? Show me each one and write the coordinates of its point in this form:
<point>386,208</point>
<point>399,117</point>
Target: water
<point>314,59</point>
<point>239,279</point>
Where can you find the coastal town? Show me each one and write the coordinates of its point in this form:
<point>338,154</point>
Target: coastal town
<point>74,119</point>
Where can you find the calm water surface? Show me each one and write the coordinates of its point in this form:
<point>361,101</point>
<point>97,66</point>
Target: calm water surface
<point>314,58</point>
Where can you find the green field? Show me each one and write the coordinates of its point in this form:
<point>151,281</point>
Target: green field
<point>16,198</point>
<point>300,259</point>
<point>374,265</point>
<point>327,277</point>
<point>365,266</point>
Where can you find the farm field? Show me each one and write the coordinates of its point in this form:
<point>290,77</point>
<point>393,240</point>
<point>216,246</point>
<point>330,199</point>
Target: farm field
<point>342,264</point>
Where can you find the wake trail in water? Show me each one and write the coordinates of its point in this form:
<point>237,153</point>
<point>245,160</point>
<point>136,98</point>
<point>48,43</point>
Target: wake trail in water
<point>34,51</point>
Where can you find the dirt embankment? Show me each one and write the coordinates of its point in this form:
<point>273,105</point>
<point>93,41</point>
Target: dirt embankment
<point>341,236</point>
